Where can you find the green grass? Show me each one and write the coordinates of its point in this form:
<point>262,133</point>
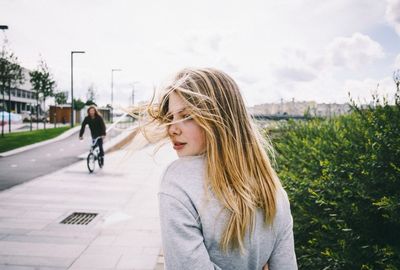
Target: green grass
<point>19,139</point>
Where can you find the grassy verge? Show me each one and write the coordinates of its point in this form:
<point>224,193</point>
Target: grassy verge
<point>19,139</point>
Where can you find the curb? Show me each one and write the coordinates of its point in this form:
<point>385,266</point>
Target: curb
<point>64,135</point>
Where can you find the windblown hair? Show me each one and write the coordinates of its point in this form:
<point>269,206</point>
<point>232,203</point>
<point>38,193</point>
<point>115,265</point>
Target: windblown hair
<point>238,169</point>
<point>97,113</point>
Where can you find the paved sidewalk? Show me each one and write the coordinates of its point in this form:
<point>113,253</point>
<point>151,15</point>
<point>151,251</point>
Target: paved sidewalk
<point>124,235</point>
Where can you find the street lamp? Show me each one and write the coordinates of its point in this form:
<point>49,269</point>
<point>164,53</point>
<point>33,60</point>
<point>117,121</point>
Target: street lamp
<point>112,90</point>
<point>72,86</point>
<point>133,93</point>
<point>4,28</point>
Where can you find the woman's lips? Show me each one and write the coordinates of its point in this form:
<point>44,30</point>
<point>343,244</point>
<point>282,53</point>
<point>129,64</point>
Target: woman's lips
<point>179,145</point>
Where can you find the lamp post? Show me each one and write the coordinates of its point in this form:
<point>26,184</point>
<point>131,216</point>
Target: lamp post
<point>112,91</point>
<point>72,86</point>
<point>133,93</point>
<point>3,27</point>
<point>30,116</point>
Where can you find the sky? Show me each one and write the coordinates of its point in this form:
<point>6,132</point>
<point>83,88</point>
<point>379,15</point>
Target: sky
<point>309,50</point>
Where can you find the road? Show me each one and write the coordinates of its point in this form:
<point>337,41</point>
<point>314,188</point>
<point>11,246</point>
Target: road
<point>25,166</point>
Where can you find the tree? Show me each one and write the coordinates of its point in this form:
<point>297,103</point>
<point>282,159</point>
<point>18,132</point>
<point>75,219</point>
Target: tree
<point>43,83</point>
<point>91,96</point>
<point>89,102</point>
<point>11,76</point>
<point>78,104</point>
<point>60,97</point>
<point>37,77</point>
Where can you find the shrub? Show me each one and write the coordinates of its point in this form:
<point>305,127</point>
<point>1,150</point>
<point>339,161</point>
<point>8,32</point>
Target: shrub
<point>342,176</point>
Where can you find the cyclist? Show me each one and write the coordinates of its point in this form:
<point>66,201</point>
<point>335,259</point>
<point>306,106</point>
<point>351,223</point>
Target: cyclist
<point>97,128</point>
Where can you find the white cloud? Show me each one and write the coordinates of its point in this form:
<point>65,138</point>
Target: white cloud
<point>300,74</point>
<point>362,90</point>
<point>273,49</point>
<point>295,65</point>
<point>393,14</point>
<point>354,51</point>
<point>325,88</point>
<point>397,62</point>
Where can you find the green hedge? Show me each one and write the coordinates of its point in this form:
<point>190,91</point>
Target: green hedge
<point>343,179</point>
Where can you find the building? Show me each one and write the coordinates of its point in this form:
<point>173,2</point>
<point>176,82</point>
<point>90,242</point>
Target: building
<point>23,98</point>
<point>60,113</point>
<point>23,101</point>
<point>299,108</point>
<point>283,108</point>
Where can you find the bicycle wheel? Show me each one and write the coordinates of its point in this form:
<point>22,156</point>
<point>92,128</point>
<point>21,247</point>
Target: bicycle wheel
<point>91,162</point>
<point>101,161</point>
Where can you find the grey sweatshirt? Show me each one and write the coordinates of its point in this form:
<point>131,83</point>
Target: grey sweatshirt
<point>193,222</point>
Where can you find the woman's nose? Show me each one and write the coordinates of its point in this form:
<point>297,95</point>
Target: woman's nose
<point>174,129</point>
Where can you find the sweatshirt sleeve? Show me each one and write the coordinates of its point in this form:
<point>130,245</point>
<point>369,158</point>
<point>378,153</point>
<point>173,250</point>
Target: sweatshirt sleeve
<point>83,127</point>
<point>183,242</point>
<point>283,256</point>
<point>103,127</point>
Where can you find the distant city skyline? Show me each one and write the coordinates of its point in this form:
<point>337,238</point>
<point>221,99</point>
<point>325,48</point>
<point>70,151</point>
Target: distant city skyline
<point>299,108</point>
<point>302,49</point>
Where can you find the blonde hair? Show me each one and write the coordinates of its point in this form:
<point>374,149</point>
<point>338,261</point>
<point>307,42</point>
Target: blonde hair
<point>238,169</point>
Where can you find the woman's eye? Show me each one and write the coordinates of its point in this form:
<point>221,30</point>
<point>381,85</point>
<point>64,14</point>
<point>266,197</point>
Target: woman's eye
<point>187,116</point>
<point>168,118</point>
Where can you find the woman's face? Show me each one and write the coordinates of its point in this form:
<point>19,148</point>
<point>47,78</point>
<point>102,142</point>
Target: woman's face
<point>92,112</point>
<point>188,138</point>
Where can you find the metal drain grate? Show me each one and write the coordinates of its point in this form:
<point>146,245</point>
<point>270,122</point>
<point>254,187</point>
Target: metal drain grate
<point>79,218</point>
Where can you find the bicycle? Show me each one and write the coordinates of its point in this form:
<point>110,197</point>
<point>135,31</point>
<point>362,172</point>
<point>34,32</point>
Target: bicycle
<point>94,155</point>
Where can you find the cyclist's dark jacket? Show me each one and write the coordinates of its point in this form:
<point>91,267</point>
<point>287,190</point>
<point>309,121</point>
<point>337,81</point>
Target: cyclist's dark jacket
<point>96,125</point>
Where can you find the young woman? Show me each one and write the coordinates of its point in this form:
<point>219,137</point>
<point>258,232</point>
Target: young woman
<point>221,203</point>
<point>97,127</point>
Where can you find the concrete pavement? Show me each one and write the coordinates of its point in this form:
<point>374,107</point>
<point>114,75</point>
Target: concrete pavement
<point>25,163</point>
<point>110,140</point>
<point>125,234</point>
